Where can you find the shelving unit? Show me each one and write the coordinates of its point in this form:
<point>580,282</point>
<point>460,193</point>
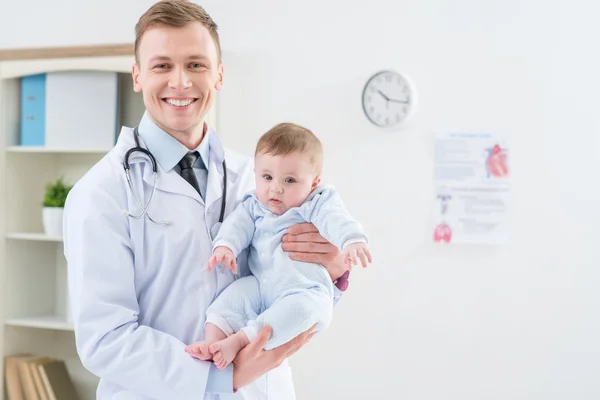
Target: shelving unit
<point>33,270</point>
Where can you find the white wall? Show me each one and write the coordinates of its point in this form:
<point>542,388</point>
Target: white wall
<point>425,322</point>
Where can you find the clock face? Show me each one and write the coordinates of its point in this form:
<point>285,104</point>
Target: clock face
<point>387,99</point>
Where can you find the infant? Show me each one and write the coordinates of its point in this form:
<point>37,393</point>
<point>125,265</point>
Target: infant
<point>290,296</point>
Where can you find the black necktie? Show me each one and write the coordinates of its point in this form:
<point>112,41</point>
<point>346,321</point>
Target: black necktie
<point>187,171</point>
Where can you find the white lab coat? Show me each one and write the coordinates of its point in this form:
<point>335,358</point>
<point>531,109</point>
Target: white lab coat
<point>139,291</point>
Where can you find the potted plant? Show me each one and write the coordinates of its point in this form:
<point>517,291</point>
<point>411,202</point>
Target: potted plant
<point>53,206</point>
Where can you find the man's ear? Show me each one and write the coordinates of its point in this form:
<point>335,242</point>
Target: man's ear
<point>135,75</point>
<point>220,72</point>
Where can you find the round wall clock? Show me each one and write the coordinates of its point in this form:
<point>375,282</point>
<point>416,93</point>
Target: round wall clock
<point>388,99</point>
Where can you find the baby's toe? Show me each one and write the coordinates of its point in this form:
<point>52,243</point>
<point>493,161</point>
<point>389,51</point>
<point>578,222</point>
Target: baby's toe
<point>215,347</point>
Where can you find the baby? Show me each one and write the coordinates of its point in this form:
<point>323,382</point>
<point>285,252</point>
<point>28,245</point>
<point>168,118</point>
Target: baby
<point>289,296</point>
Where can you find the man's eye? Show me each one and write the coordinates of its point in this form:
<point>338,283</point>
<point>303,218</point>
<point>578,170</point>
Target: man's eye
<point>267,177</point>
<point>290,180</point>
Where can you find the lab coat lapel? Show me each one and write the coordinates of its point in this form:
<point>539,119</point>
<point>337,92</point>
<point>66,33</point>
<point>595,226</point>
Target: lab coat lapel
<point>214,184</point>
<point>214,180</point>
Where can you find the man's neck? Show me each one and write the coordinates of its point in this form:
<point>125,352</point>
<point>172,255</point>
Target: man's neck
<point>190,138</point>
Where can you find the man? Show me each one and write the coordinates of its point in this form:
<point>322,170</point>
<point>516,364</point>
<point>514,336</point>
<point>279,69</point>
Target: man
<point>139,289</point>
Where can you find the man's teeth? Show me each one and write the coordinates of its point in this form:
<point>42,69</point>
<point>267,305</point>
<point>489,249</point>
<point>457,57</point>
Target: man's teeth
<point>179,103</point>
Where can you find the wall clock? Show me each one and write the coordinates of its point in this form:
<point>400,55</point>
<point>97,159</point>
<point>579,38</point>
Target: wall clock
<point>388,99</point>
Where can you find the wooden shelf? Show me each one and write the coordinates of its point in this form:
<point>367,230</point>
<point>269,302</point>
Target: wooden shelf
<point>108,50</point>
<point>42,322</point>
<point>34,149</point>
<point>40,237</point>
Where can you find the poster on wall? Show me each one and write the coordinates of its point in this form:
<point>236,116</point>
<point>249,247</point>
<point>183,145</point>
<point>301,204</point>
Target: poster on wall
<point>472,187</point>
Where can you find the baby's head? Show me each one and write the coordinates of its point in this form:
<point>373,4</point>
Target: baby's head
<point>288,164</point>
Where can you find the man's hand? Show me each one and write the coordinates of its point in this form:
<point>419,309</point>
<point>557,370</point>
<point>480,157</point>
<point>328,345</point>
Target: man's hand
<point>304,243</point>
<point>253,361</point>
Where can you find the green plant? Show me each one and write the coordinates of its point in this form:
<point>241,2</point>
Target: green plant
<point>56,193</point>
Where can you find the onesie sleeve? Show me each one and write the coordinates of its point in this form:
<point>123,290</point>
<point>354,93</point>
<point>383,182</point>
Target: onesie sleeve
<point>327,213</point>
<point>237,229</point>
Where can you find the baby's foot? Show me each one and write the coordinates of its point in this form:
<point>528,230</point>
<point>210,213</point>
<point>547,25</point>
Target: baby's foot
<point>224,351</point>
<point>200,350</point>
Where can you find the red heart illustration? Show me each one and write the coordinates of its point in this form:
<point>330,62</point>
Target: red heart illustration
<point>496,162</point>
<point>442,233</point>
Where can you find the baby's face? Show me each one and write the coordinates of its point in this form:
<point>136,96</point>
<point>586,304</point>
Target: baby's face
<point>283,182</point>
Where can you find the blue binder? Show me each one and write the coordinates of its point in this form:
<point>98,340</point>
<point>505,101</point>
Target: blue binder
<point>33,110</point>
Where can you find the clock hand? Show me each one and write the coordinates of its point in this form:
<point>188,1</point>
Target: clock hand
<point>392,100</point>
<point>398,101</point>
<point>384,96</point>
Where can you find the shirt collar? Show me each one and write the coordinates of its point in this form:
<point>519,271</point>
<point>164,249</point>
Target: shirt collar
<point>167,150</point>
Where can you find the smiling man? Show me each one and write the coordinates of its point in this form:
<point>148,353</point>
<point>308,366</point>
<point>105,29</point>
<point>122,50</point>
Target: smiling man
<point>178,69</point>
<point>137,242</point>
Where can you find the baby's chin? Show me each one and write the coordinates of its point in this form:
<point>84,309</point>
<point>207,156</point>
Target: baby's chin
<point>277,210</point>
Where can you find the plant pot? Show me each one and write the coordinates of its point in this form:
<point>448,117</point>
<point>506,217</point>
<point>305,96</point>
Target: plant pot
<point>53,221</point>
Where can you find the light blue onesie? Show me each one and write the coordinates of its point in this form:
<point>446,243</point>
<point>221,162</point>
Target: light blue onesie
<point>290,296</point>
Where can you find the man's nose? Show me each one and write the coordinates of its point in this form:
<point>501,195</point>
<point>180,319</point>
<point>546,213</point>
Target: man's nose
<point>179,79</point>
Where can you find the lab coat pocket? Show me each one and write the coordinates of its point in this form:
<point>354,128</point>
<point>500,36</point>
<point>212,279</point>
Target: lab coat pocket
<point>126,395</point>
<point>257,390</point>
<point>280,385</point>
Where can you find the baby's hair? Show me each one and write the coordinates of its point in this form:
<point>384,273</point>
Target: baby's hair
<point>287,138</point>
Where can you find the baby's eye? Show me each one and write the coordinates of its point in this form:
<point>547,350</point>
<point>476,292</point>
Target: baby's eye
<point>267,177</point>
<point>290,180</point>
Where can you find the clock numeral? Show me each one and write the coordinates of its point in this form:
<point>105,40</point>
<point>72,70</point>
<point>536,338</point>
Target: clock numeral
<point>398,117</point>
<point>371,109</point>
<point>388,78</point>
<point>387,121</point>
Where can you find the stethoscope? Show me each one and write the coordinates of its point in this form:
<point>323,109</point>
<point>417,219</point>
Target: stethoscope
<point>155,175</point>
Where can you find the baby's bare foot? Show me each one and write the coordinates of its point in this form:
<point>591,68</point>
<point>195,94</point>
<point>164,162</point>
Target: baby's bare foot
<point>224,351</point>
<point>199,350</point>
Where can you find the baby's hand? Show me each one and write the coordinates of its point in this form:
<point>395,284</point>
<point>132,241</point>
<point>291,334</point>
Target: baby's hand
<point>360,250</point>
<point>223,255</point>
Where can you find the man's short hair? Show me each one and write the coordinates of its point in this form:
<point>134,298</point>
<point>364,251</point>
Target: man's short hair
<point>177,14</point>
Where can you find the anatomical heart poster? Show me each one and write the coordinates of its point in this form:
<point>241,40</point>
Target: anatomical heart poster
<point>472,186</point>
